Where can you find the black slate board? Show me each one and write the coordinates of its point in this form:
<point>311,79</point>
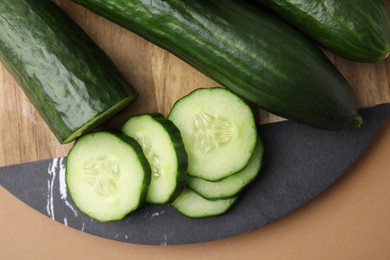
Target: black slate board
<point>300,162</point>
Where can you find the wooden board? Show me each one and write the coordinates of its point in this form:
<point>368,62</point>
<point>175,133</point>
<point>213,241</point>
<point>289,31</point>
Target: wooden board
<point>160,78</point>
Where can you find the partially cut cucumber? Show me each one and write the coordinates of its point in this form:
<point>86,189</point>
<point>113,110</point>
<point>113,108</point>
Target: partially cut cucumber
<point>193,205</point>
<point>218,130</point>
<point>231,185</point>
<point>71,82</point>
<point>163,146</point>
<point>107,175</point>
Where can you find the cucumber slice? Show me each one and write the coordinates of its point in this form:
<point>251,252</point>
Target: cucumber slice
<point>218,130</point>
<point>193,205</point>
<point>107,175</point>
<point>233,184</point>
<point>163,146</point>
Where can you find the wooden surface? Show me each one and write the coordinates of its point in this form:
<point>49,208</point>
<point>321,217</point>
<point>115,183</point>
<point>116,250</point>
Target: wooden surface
<point>344,213</point>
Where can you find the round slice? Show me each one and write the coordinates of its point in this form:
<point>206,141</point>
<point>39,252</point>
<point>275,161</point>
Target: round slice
<point>107,175</point>
<point>218,130</point>
<point>163,146</point>
<point>192,205</point>
<point>233,184</point>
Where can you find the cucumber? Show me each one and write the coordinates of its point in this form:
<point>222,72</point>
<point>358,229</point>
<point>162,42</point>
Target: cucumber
<point>355,29</point>
<point>107,175</point>
<point>192,205</point>
<point>163,146</point>
<point>232,185</point>
<point>70,81</point>
<point>218,130</point>
<point>253,53</point>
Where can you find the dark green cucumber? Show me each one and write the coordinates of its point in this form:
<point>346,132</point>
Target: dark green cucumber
<point>251,52</point>
<point>67,77</point>
<point>355,29</point>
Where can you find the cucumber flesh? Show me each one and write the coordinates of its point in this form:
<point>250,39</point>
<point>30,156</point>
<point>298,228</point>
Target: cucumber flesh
<point>107,175</point>
<point>163,146</point>
<point>218,130</point>
<point>192,205</point>
<point>231,185</point>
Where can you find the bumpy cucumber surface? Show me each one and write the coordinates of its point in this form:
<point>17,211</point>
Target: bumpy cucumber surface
<point>219,132</point>
<point>253,53</point>
<point>355,29</point>
<point>232,185</point>
<point>193,205</point>
<point>107,175</point>
<point>67,77</point>
<point>163,146</point>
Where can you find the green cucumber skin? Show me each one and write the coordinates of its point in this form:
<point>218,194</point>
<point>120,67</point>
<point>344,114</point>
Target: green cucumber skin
<point>253,53</point>
<point>142,158</point>
<point>355,29</point>
<point>181,153</point>
<point>67,77</point>
<point>182,158</point>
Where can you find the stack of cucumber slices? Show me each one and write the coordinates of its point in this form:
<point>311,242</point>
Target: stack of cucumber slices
<point>199,159</point>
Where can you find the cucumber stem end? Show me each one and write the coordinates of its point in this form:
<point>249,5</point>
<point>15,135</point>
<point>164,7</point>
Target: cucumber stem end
<point>357,121</point>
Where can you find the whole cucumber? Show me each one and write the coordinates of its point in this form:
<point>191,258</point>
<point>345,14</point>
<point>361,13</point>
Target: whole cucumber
<point>251,52</point>
<point>70,81</point>
<point>355,29</point>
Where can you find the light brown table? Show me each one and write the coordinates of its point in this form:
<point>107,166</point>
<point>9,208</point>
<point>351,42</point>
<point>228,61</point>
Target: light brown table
<point>351,220</point>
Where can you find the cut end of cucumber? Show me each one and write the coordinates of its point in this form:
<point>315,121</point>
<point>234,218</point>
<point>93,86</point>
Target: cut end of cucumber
<point>358,121</point>
<point>219,132</point>
<point>211,132</point>
<point>102,173</point>
<point>107,175</point>
<point>192,205</point>
<point>163,146</point>
<point>232,185</point>
<point>153,158</point>
<point>99,119</point>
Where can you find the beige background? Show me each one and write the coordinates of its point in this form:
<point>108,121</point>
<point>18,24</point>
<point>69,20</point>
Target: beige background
<point>351,220</point>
